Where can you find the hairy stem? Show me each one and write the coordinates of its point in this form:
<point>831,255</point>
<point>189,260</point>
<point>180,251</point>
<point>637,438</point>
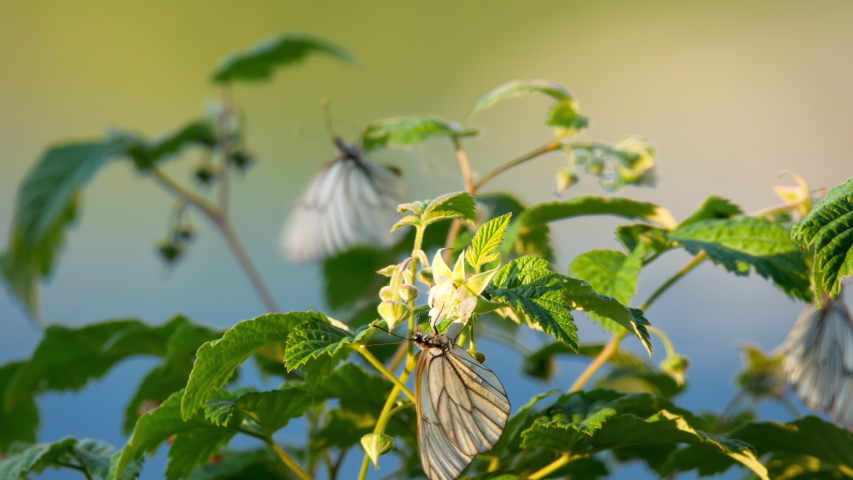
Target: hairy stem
<point>464,165</point>
<point>551,467</point>
<point>548,147</point>
<point>287,460</point>
<point>670,350</point>
<point>599,360</point>
<point>699,258</point>
<point>384,371</point>
<point>219,219</point>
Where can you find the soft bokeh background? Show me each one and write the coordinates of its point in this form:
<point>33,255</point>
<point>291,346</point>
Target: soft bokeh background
<point>731,92</point>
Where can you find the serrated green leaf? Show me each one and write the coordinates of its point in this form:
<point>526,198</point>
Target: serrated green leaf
<point>533,240</point>
<point>486,241</point>
<point>46,204</point>
<point>828,228</point>
<point>94,455</point>
<point>714,208</point>
<point>810,436</point>
<point>193,448</point>
<point>536,293</point>
<point>34,459</point>
<point>313,338</point>
<point>217,361</point>
<point>592,205</point>
<point>742,244</point>
<point>350,274</point>
<point>563,435</point>
<point>511,438</point>
<point>407,131</point>
<point>639,234</point>
<point>96,349</point>
<point>19,423</point>
<point>273,410</point>
<point>522,87</point>
<point>260,62</point>
<point>240,465</point>
<point>357,390</point>
<point>161,423</point>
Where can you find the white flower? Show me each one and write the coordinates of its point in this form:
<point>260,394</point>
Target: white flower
<point>455,296</point>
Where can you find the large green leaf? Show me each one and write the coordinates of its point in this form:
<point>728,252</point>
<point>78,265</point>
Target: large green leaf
<point>240,465</point>
<point>592,205</point>
<point>562,435</point>
<point>356,390</point>
<point>92,455</point>
<point>810,436</point>
<point>20,422</point>
<point>68,358</point>
<point>201,440</point>
<point>260,62</point>
<point>829,229</point>
<point>459,205</point>
<point>563,113</point>
<point>217,361</point>
<point>714,208</point>
<point>316,337</point>
<point>748,243</point>
<point>46,204</point>
<point>537,294</point>
<point>407,131</point>
<point>273,410</point>
<point>610,273</point>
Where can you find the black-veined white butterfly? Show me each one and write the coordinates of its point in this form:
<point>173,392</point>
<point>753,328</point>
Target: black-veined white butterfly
<point>351,195</point>
<point>462,406</point>
<point>819,359</point>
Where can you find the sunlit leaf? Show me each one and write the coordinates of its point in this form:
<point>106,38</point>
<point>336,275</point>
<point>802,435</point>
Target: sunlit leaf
<point>261,61</point>
<point>592,205</point>
<point>316,337</point>
<point>407,131</point>
<point>714,208</point>
<point>742,244</point>
<point>452,205</point>
<point>522,87</point>
<point>828,229</point>
<point>486,241</point>
<point>810,435</point>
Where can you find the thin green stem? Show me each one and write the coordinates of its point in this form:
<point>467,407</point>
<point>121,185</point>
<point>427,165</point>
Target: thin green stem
<point>699,258</point>
<point>464,165</point>
<point>365,464</point>
<point>384,371</point>
<point>670,350</point>
<point>548,147</point>
<point>287,460</point>
<point>564,459</point>
<point>599,361</point>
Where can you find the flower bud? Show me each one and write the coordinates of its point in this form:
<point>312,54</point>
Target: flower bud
<point>565,179</point>
<point>479,356</point>
<point>407,292</point>
<point>676,367</point>
<point>393,312</point>
<point>386,293</point>
<point>425,276</point>
<point>376,445</point>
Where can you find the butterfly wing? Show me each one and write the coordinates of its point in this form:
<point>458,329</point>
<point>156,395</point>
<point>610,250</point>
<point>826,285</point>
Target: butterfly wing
<point>462,410</point>
<point>349,194</point>
<point>819,360</point>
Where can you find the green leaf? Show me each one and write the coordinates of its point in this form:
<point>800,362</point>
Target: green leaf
<point>452,205</point>
<point>172,375</point>
<point>260,62</point>
<point>202,439</point>
<point>274,410</point>
<point>350,274</point>
<point>511,438</point>
<point>217,361</point>
<point>582,296</point>
<point>745,243</point>
<point>828,228</point>
<point>486,241</point>
<point>714,208</point>
<point>240,465</point>
<point>148,154</point>
<point>313,338</point>
<point>647,236</point>
<point>46,204</point>
<point>810,436</point>
<point>522,87</point>
<point>563,435</point>
<point>407,131</point>
<point>19,423</point>
<point>633,380</point>
<point>35,458</point>
<point>592,205</point>
<point>357,390</point>
<point>92,351</point>
<point>537,294</point>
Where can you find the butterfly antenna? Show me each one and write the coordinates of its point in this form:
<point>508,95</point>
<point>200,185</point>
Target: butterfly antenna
<point>389,333</point>
<point>327,111</point>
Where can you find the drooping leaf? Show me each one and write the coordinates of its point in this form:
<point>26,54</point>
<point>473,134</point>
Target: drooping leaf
<point>452,205</point>
<point>68,358</point>
<point>742,244</point>
<point>19,423</point>
<point>47,203</point>
<point>714,208</point>
<point>522,87</point>
<point>486,241</point>
<point>537,294</point>
<point>351,273</point>
<point>260,62</point>
<point>828,229</point>
<point>604,268</point>
<point>217,361</point>
<point>407,131</point>
<point>592,205</point>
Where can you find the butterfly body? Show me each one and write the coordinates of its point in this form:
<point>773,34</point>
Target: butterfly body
<point>462,406</point>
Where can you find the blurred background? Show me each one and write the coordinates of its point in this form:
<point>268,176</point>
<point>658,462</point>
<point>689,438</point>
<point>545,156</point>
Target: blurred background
<point>731,93</point>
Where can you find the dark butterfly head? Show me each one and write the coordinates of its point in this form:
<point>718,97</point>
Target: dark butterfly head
<point>347,150</point>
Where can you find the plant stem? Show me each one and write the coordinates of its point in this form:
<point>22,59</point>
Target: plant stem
<point>600,359</point>
<point>365,464</point>
<point>548,147</point>
<point>670,350</point>
<point>551,467</point>
<point>463,164</point>
<point>219,219</point>
<point>384,371</point>
<point>699,258</point>
<point>287,460</point>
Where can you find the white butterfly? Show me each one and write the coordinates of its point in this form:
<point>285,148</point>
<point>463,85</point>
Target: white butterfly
<point>462,406</point>
<point>819,359</point>
<point>351,195</point>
